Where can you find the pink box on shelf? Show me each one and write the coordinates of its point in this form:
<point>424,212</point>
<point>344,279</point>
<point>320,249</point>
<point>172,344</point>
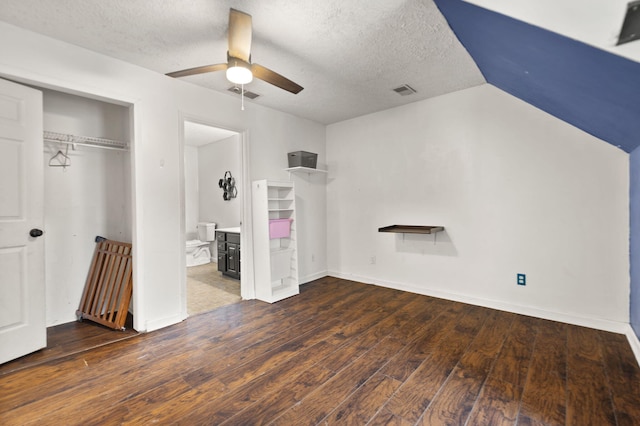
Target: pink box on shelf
<point>279,228</point>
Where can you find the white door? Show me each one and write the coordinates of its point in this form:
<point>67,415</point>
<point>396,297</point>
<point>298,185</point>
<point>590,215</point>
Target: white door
<point>22,288</point>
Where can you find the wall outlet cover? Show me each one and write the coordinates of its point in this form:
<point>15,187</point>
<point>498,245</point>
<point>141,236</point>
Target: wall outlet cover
<point>521,279</point>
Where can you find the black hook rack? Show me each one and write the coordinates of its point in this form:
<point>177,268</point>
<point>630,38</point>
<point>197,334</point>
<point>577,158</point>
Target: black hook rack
<point>228,185</point>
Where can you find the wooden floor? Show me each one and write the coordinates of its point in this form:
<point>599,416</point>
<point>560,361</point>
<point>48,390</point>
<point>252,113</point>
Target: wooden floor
<point>339,353</point>
<point>69,339</point>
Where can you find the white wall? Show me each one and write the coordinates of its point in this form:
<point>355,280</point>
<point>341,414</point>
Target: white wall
<point>159,101</point>
<point>517,191</point>
<point>87,199</point>
<point>311,209</point>
<point>214,160</point>
<point>204,166</point>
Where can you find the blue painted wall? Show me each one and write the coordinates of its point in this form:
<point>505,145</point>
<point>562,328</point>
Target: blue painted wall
<point>634,215</point>
<point>594,90</point>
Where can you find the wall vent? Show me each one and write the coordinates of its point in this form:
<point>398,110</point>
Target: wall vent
<point>405,90</point>
<point>631,26</point>
<point>238,91</point>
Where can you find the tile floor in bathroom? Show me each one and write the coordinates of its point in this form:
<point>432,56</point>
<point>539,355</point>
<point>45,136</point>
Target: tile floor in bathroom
<point>208,289</point>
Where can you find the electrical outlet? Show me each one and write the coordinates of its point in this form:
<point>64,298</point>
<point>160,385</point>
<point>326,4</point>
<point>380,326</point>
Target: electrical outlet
<point>313,257</point>
<point>521,279</point>
<point>373,260</point>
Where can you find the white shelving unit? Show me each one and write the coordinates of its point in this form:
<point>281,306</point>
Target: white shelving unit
<point>276,259</point>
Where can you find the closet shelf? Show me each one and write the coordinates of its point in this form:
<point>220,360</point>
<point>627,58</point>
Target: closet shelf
<point>411,229</point>
<point>85,141</point>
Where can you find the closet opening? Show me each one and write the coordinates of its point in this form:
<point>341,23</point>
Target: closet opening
<point>213,211</point>
<point>87,194</point>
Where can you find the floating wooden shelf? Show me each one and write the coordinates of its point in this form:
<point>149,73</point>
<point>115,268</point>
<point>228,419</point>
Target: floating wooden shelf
<point>411,229</point>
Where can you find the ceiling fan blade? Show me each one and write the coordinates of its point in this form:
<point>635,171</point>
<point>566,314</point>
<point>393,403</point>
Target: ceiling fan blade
<point>198,70</point>
<point>272,77</point>
<point>239,35</point>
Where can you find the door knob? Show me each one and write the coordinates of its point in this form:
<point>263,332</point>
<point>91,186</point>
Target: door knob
<point>36,232</point>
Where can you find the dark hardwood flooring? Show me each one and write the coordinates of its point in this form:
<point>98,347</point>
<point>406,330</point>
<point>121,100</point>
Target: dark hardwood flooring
<point>69,339</point>
<point>339,353</point>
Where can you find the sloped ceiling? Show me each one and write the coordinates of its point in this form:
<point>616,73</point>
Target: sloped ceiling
<point>590,88</point>
<point>594,22</point>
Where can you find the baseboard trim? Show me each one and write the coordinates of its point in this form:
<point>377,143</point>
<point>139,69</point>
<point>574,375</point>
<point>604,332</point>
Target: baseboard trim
<point>596,323</point>
<point>633,342</point>
<point>311,277</point>
<point>159,323</point>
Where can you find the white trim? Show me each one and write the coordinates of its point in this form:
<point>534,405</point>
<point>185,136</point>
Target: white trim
<point>596,323</point>
<point>633,342</point>
<point>314,276</point>
<point>247,287</point>
<point>247,277</point>
<point>183,228</point>
<point>135,112</point>
<point>137,213</point>
<point>156,324</point>
<point>93,92</point>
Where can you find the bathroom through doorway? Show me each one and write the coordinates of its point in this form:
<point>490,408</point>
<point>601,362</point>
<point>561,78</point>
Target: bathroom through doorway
<point>213,176</point>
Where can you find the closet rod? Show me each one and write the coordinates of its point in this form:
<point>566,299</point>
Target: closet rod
<point>85,141</point>
<point>93,145</point>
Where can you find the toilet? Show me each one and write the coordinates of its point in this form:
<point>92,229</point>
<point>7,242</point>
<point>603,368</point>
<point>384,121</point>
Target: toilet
<point>198,251</point>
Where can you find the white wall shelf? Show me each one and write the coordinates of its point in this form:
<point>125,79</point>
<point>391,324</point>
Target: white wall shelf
<point>309,171</point>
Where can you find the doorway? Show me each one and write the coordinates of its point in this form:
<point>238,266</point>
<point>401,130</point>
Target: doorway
<point>211,155</point>
<point>84,189</point>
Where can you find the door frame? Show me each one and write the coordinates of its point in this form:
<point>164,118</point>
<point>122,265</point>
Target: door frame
<point>135,112</point>
<point>247,289</point>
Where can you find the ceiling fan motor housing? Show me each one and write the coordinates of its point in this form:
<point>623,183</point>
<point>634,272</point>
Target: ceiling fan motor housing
<point>238,71</point>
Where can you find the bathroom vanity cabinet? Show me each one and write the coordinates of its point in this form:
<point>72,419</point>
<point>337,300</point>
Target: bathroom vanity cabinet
<point>228,253</point>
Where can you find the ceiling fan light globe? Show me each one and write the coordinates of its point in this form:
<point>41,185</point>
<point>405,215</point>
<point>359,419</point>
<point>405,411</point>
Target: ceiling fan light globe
<point>239,75</point>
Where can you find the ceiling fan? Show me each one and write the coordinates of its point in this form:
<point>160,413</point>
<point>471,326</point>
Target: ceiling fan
<point>239,68</point>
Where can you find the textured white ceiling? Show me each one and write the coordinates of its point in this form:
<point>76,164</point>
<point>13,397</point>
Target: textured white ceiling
<point>347,54</point>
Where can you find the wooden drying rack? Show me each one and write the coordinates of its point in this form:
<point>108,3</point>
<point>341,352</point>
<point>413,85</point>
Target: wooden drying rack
<point>109,285</point>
